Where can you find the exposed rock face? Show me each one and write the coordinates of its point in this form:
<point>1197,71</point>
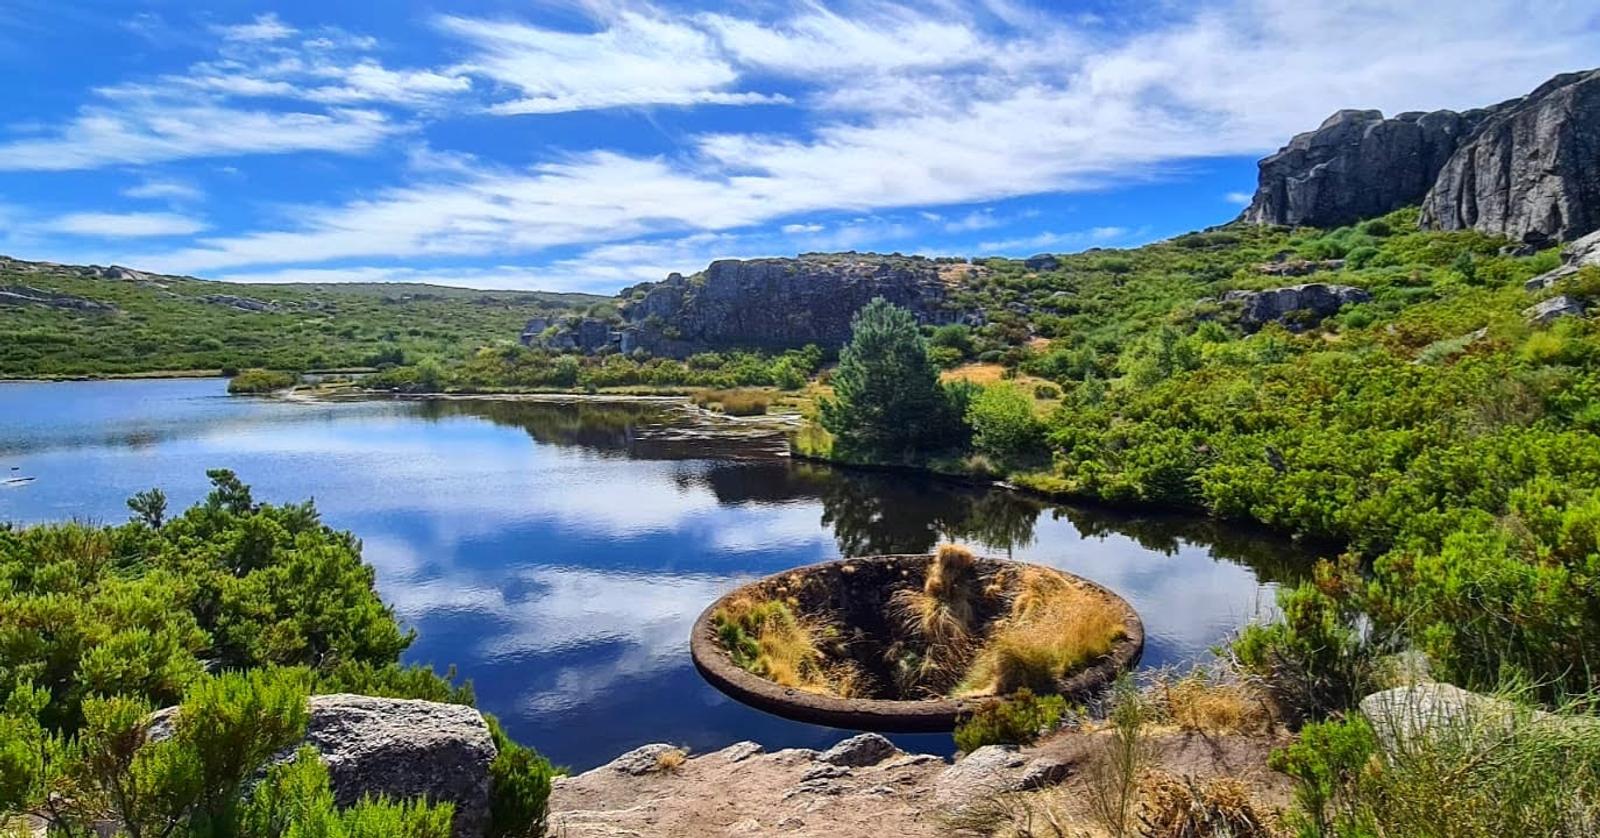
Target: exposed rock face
<point>23,295</point>
<point>240,303</point>
<point>1553,309</point>
<point>1316,300</point>
<point>757,303</point>
<point>1531,170</point>
<point>402,748</point>
<point>1580,254</point>
<point>1526,169</point>
<point>1355,165</point>
<point>865,749</point>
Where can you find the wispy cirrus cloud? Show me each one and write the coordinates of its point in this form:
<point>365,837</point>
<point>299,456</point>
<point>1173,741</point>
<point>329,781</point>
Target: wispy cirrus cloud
<point>119,225</point>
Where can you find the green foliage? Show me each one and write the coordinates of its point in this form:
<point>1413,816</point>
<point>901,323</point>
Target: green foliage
<point>888,402</point>
<point>520,788</point>
<point>1004,425</point>
<point>101,626</point>
<point>1016,720</point>
<point>1481,772</point>
<point>258,382</point>
<point>185,324</point>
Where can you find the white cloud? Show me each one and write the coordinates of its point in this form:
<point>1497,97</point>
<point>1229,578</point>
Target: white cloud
<point>1074,238</point>
<point>124,224</point>
<point>794,229</point>
<point>265,27</point>
<point>156,133</point>
<point>1240,198</point>
<point>164,189</point>
<point>634,60</point>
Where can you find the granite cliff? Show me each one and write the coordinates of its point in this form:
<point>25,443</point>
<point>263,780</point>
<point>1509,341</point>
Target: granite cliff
<point>768,304</point>
<point>1527,169</point>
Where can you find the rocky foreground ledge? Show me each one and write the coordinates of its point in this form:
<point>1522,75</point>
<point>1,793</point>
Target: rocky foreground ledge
<point>863,787</point>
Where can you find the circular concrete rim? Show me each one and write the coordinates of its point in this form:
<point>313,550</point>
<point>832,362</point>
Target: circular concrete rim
<point>888,715</point>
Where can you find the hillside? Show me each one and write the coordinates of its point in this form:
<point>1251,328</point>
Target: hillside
<point>60,320</point>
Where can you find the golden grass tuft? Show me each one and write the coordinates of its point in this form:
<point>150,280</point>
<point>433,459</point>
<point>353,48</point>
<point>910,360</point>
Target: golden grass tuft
<point>1213,708</point>
<point>1188,808</point>
<point>941,618</point>
<point>668,762</point>
<point>768,639</point>
<point>1055,626</point>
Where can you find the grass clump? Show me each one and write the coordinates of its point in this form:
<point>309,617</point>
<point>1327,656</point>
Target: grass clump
<point>733,402</point>
<point>1017,720</point>
<point>1055,627</point>
<point>260,382</point>
<point>1212,707</point>
<point>941,619</point>
<point>1492,770</point>
<point>766,638</point>
<point>1188,808</point>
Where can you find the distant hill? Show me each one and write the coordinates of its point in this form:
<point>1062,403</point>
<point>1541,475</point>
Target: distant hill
<point>66,320</point>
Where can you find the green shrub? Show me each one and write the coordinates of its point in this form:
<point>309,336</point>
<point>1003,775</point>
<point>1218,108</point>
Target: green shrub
<point>257,382</point>
<point>1003,423</point>
<point>1017,720</point>
<point>519,790</point>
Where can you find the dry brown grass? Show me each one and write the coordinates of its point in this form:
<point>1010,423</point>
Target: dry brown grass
<point>1187,808</point>
<point>668,762</point>
<point>734,402</point>
<point>941,618</point>
<point>1197,703</point>
<point>977,373</point>
<point>1055,627</point>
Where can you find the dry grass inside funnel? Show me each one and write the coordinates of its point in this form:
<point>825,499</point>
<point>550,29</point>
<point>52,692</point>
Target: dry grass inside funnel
<point>1055,627</point>
<point>767,638</point>
<point>940,619</point>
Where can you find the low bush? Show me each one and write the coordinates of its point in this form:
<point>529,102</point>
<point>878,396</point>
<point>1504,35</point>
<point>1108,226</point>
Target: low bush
<point>259,382</point>
<point>1017,720</point>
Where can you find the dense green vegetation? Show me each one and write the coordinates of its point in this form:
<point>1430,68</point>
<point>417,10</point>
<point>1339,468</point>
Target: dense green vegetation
<point>507,365</point>
<point>260,382</point>
<point>101,625</point>
<point>172,323</point>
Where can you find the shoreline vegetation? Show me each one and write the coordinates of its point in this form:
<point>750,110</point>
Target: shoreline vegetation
<point>1439,433</point>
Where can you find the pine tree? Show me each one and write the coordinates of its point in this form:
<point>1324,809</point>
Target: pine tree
<point>888,402</point>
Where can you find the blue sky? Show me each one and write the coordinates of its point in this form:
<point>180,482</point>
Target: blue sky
<point>590,144</point>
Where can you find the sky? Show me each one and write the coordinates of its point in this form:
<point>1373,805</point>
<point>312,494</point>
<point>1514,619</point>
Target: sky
<point>585,145</point>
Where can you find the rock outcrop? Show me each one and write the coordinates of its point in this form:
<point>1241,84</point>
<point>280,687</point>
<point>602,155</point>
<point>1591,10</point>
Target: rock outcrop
<point>26,295</point>
<point>1525,169</point>
<point>402,748</point>
<point>1357,164</point>
<point>1296,306</point>
<point>1580,254</point>
<point>769,304</point>
<point>1530,171</point>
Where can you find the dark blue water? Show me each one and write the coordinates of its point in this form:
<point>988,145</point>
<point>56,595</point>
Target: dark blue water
<point>558,553</point>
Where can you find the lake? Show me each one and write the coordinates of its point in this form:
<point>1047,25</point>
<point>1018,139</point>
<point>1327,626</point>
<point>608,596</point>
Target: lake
<point>557,552</point>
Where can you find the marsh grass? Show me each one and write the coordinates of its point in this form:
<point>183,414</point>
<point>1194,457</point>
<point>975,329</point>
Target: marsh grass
<point>1173,807</point>
<point>1055,626</point>
<point>733,402</point>
<point>768,639</point>
<point>1214,704</point>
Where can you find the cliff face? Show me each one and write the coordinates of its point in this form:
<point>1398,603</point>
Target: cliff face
<point>1531,170</point>
<point>1356,165</point>
<point>1528,169</point>
<point>759,304</point>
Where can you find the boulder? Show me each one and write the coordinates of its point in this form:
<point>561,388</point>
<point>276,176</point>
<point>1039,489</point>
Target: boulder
<point>1577,255</point>
<point>402,748</point>
<point>865,749</point>
<point>992,769</point>
<point>1317,300</point>
<point>1400,715</point>
<point>1553,309</point>
<point>237,302</point>
<point>1042,263</point>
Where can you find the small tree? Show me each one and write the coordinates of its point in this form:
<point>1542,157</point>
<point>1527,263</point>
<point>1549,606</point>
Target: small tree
<point>888,402</point>
<point>1003,424</point>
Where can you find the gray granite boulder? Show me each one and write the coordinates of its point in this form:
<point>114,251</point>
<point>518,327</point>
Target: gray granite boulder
<point>1553,309</point>
<point>865,749</point>
<point>1275,305</point>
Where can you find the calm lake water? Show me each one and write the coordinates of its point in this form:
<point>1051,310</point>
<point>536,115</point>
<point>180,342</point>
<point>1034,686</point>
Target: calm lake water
<point>558,553</point>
